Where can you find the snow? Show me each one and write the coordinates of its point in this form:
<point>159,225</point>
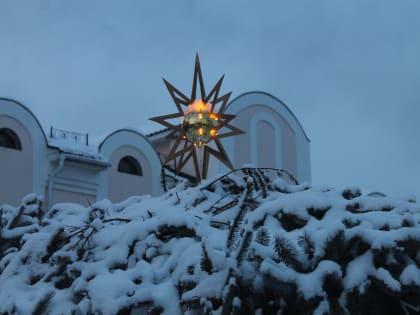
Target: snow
<point>209,286</point>
<point>410,275</point>
<point>323,308</point>
<point>148,252</point>
<point>311,284</point>
<point>386,277</point>
<point>76,148</point>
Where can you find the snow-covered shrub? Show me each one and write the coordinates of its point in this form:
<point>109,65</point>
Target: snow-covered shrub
<point>245,243</point>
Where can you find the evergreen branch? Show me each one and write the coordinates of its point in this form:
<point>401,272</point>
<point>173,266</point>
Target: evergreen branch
<point>263,237</point>
<point>205,262</point>
<point>237,221</point>
<point>307,244</point>
<point>286,252</point>
<point>227,206</point>
<point>280,173</point>
<point>246,242</point>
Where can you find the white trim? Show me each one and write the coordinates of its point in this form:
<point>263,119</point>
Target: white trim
<point>51,177</point>
<point>260,117</point>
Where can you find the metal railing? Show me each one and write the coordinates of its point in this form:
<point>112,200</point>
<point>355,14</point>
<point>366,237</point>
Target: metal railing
<point>82,138</point>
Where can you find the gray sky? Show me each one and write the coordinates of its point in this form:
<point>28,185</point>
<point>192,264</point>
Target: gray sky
<point>349,70</point>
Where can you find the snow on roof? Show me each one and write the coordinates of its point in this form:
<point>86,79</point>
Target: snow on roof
<point>159,134</point>
<point>73,142</point>
<point>75,148</point>
<point>247,242</point>
<point>77,144</point>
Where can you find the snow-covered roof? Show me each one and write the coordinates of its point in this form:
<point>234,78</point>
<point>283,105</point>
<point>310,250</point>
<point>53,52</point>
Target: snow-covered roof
<point>159,135</point>
<point>75,148</point>
<point>77,144</point>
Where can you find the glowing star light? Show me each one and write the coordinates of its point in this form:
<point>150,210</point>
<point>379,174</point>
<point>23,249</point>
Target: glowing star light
<point>200,124</point>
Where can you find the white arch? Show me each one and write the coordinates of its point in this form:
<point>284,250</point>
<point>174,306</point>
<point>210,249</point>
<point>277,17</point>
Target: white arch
<point>263,116</point>
<point>248,99</point>
<point>134,139</point>
<point>22,114</point>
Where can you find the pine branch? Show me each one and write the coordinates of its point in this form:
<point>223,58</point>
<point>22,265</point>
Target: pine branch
<point>205,262</point>
<point>335,247</point>
<point>226,206</point>
<point>246,242</point>
<point>318,212</point>
<point>230,289</point>
<point>250,172</point>
<point>233,232</point>
<point>259,175</point>
<point>307,244</point>
<point>216,210</point>
<point>286,252</point>
<point>279,172</point>
<point>116,219</point>
<point>290,221</point>
<point>178,200</point>
<point>86,232</point>
<point>42,305</point>
<point>351,193</point>
<point>199,200</point>
<point>163,180</point>
<point>263,237</point>
<point>14,222</point>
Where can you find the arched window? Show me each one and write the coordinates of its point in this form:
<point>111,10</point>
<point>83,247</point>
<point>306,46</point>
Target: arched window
<point>129,165</point>
<point>9,139</point>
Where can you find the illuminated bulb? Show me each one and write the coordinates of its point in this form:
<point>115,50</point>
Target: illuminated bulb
<point>199,124</point>
<point>198,106</point>
<point>214,116</point>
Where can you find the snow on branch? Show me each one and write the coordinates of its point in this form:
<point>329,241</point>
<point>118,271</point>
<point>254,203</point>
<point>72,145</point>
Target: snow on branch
<point>252,241</point>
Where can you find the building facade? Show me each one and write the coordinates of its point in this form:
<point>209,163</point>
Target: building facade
<point>64,167</point>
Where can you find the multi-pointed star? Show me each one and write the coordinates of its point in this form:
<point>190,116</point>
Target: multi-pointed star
<point>200,123</point>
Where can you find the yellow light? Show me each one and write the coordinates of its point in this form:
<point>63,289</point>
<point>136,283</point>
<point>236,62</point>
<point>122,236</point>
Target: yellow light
<point>198,123</point>
<point>214,116</point>
<point>198,106</point>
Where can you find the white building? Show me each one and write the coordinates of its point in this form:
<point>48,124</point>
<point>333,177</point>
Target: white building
<point>63,167</point>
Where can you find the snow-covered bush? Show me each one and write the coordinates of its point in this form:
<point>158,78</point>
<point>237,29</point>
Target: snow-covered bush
<point>245,243</point>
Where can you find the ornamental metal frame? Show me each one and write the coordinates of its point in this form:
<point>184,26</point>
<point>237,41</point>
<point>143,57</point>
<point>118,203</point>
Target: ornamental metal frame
<point>183,149</point>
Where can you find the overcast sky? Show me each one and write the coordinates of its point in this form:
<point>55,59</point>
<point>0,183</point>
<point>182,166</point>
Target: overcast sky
<point>348,69</point>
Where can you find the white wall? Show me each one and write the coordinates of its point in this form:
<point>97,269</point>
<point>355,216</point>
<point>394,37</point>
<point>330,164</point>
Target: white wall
<point>123,185</point>
<point>16,168</point>
<point>76,181</point>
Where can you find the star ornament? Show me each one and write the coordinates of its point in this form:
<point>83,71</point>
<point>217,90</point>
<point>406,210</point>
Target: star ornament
<point>199,121</point>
